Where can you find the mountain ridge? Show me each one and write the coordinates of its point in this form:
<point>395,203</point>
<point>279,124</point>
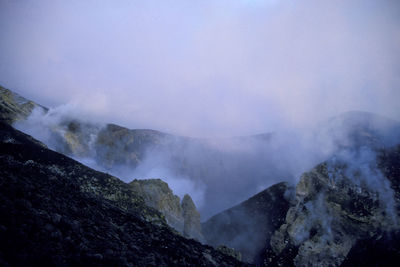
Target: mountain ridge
<point>351,194</point>
<point>18,110</point>
<point>247,226</point>
<point>57,211</point>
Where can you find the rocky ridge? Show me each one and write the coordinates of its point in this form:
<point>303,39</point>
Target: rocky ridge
<point>338,215</point>
<point>56,211</point>
<point>14,107</point>
<point>345,211</point>
<point>109,147</point>
<point>191,217</point>
<point>339,204</point>
<point>181,215</point>
<point>105,143</point>
<point>248,226</point>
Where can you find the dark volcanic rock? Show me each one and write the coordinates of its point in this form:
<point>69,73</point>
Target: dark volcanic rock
<point>381,250</point>
<point>248,226</point>
<point>55,211</point>
<point>109,145</point>
<point>343,209</point>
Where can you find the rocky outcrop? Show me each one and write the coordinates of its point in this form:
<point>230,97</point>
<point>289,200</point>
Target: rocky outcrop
<point>110,146</point>
<point>191,217</point>
<point>248,226</point>
<point>182,216</point>
<point>14,107</point>
<point>338,204</point>
<point>158,195</point>
<point>56,211</point>
<point>230,251</point>
<point>116,145</point>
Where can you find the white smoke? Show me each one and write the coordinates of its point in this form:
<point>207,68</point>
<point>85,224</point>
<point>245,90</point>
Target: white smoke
<point>361,167</point>
<point>51,128</point>
<point>218,173</point>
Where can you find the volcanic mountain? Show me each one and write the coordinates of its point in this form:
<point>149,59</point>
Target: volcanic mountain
<point>340,207</point>
<point>56,211</point>
<point>344,211</point>
<point>206,164</point>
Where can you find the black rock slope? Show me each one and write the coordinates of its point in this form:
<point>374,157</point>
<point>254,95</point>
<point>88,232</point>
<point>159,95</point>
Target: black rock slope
<point>55,211</point>
<point>248,226</point>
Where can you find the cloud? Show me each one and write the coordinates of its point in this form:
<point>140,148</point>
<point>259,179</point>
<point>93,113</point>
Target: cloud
<point>205,68</point>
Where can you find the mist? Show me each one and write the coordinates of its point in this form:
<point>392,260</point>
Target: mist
<point>221,99</point>
<point>205,74</point>
<point>205,68</point>
<point>217,173</point>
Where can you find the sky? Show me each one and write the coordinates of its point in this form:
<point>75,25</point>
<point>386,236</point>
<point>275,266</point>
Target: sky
<point>204,68</point>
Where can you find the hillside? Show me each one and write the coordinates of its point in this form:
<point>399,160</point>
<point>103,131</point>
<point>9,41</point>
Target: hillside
<point>56,211</point>
<point>343,209</point>
<point>343,212</point>
<point>248,226</point>
<point>136,153</point>
<point>75,141</point>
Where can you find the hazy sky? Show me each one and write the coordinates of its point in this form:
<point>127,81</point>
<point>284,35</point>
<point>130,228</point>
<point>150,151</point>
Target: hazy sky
<point>204,68</point>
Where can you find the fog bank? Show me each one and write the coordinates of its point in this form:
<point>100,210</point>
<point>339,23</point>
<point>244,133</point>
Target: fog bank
<point>205,68</point>
<point>218,173</point>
